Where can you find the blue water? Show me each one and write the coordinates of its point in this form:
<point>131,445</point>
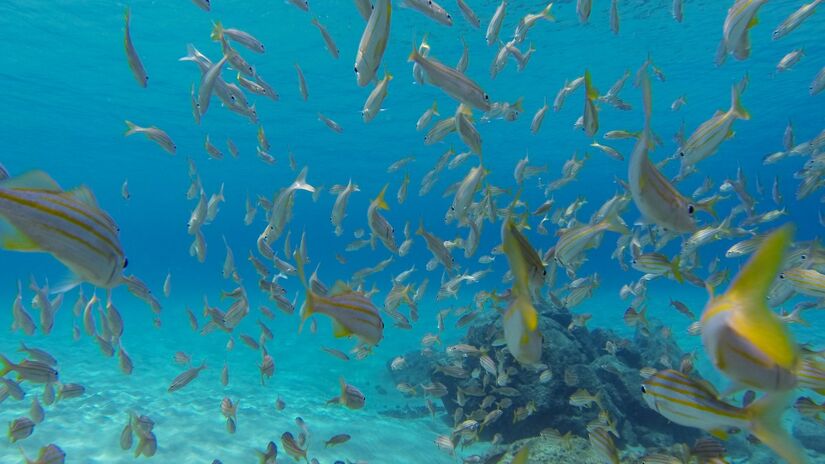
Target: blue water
<point>66,90</point>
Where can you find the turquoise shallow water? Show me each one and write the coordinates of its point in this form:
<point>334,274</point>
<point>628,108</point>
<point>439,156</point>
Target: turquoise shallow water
<point>66,90</point>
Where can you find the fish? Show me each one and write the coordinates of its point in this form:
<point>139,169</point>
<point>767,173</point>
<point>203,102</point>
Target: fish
<point>373,42</point>
<point>743,338</point>
<point>41,217</point>
<point>707,138</point>
<point>49,454</point>
<point>350,396</point>
<point>494,26</point>
<point>453,83</point>
<point>538,118</point>
<point>185,377</point>
<point>431,9</point>
<point>691,403</point>
<point>603,445</point>
<point>292,448</point>
<point>591,113</point>
<point>138,71</point>
<point>269,455</point>
<point>207,84</point>
<point>340,206</point>
<point>740,19</point>
<point>20,428</point>
<point>337,440</point>
<point>795,19</point>
<point>521,323</point>
<point>242,37</point>
<point>330,43</point>
<point>808,282</point>
<point>330,123</point>
<point>353,314</point>
<point>154,134</point>
<point>656,197</point>
<point>468,13</point>
<point>376,98</point>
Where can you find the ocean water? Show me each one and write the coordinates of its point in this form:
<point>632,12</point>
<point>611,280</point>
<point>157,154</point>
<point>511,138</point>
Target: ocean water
<point>66,90</point>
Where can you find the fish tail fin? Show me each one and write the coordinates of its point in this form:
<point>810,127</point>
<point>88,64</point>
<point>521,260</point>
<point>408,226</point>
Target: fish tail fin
<point>301,182</point>
<point>677,273</point>
<point>591,91</point>
<point>736,104</point>
<point>217,31</point>
<point>127,15</point>
<point>6,365</point>
<point>379,200</point>
<point>414,55</point>
<point>709,205</point>
<point>519,104</point>
<point>614,223</point>
<point>131,128</point>
<point>546,14</point>
<point>756,276</point>
<point>766,424</point>
<point>420,230</point>
<point>435,108</point>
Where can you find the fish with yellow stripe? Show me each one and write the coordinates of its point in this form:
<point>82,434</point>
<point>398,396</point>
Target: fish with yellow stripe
<point>36,215</point>
<point>707,138</point>
<point>744,339</point>
<point>808,282</point>
<point>352,312</point>
<point>692,403</point>
<point>521,320</point>
<point>654,195</point>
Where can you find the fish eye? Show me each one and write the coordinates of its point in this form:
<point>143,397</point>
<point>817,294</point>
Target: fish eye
<point>691,209</point>
<point>633,261</point>
<point>125,262</point>
<point>644,389</point>
<point>486,97</point>
<point>803,257</point>
<point>681,154</point>
<point>782,276</point>
<point>356,70</point>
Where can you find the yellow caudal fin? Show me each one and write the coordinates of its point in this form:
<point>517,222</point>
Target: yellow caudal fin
<point>379,200</point>
<point>756,277</point>
<point>591,91</point>
<point>736,104</point>
<point>674,266</point>
<point>217,32</point>
<point>766,424</point>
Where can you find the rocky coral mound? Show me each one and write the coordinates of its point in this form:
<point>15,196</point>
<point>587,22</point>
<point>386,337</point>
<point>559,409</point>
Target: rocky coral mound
<point>599,368</point>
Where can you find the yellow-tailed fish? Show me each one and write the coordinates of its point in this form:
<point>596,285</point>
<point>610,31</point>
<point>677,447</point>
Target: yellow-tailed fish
<point>521,321</point>
<point>373,42</point>
<point>735,31</point>
<point>353,314</point>
<point>591,113</point>
<point>36,215</point>
<point>692,403</point>
<point>654,195</point>
<point>452,82</point>
<point>743,338</point>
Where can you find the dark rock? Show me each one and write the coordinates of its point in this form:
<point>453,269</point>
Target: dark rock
<point>580,351</point>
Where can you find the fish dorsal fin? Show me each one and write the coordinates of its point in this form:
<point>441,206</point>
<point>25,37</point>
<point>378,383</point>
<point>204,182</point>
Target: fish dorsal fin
<point>340,288</point>
<point>35,180</point>
<point>83,195</point>
<point>756,277</point>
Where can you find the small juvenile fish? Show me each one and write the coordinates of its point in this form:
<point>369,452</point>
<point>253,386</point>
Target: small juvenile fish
<point>302,83</point>
<point>494,27</point>
<point>154,134</point>
<point>337,353</point>
<point>292,448</point>
<point>37,354</point>
<point>131,55</point>
<point>333,49</point>
<point>330,123</point>
<point>337,440</point>
<point>350,396</point>
<point>185,377</point>
<point>468,14</point>
<point>422,123</point>
<point>795,19</point>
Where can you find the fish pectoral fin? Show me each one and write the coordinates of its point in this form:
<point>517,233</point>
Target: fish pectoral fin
<point>36,180</point>
<point>12,239</point>
<point>339,330</point>
<point>339,288</point>
<point>730,134</point>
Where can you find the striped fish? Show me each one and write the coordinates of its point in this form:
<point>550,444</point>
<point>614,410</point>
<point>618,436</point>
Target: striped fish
<point>692,403</point>
<point>292,448</point>
<point>805,281</point>
<point>603,445</point>
<point>707,138</point>
<point>740,19</point>
<point>352,312</point>
<point>36,215</point>
<point>573,242</point>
